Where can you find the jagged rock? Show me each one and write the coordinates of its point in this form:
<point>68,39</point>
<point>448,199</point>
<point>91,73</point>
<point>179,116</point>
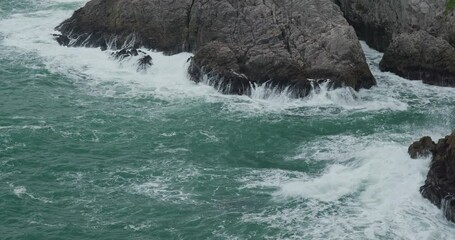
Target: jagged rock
<point>219,63</point>
<point>439,186</point>
<point>144,63</point>
<point>124,53</point>
<point>420,56</point>
<point>412,33</point>
<point>284,42</point>
<point>422,148</point>
<point>62,39</point>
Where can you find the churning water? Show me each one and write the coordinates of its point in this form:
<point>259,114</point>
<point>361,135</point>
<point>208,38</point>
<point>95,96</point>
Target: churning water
<point>92,149</point>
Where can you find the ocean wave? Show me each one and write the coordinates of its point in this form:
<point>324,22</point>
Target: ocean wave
<point>371,193</point>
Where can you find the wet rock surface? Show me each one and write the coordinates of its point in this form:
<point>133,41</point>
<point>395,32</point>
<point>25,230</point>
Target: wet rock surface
<point>417,36</point>
<point>439,186</point>
<point>421,56</point>
<point>285,42</point>
<point>126,52</point>
<point>422,148</point>
<point>62,39</point>
<point>144,62</point>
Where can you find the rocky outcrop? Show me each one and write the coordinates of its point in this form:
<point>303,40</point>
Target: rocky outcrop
<point>439,186</point>
<point>377,21</point>
<point>422,148</point>
<point>412,33</point>
<point>158,24</point>
<point>237,44</point>
<point>421,56</point>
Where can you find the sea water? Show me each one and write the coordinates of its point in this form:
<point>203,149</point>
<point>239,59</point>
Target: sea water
<point>92,149</point>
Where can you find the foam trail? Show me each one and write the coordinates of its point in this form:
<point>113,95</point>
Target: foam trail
<point>21,192</point>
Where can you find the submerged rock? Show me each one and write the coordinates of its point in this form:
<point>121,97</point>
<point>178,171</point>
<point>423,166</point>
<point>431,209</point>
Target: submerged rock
<point>125,53</point>
<point>144,62</point>
<point>439,186</point>
<point>282,43</point>
<point>417,36</point>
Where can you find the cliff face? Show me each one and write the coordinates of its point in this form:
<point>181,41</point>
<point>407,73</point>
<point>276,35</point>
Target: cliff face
<point>412,33</point>
<point>283,43</point>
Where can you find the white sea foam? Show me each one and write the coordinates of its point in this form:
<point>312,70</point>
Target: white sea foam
<point>160,190</point>
<point>372,195</point>
<point>21,191</point>
<point>166,188</point>
<point>341,179</point>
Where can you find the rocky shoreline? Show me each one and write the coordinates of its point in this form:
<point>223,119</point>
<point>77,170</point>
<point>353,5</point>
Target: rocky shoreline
<point>281,43</point>
<point>240,44</point>
<point>288,44</point>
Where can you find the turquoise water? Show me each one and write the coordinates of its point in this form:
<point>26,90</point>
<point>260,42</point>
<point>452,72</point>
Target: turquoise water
<point>91,149</point>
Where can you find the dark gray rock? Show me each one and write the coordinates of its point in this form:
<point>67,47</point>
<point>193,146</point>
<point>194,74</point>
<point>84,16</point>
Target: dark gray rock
<point>439,186</point>
<point>422,148</point>
<point>144,62</point>
<point>220,66</point>
<point>417,36</point>
<point>125,53</point>
<point>377,21</point>
<point>421,56</point>
<point>157,24</point>
<point>283,42</point>
<point>62,39</point>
